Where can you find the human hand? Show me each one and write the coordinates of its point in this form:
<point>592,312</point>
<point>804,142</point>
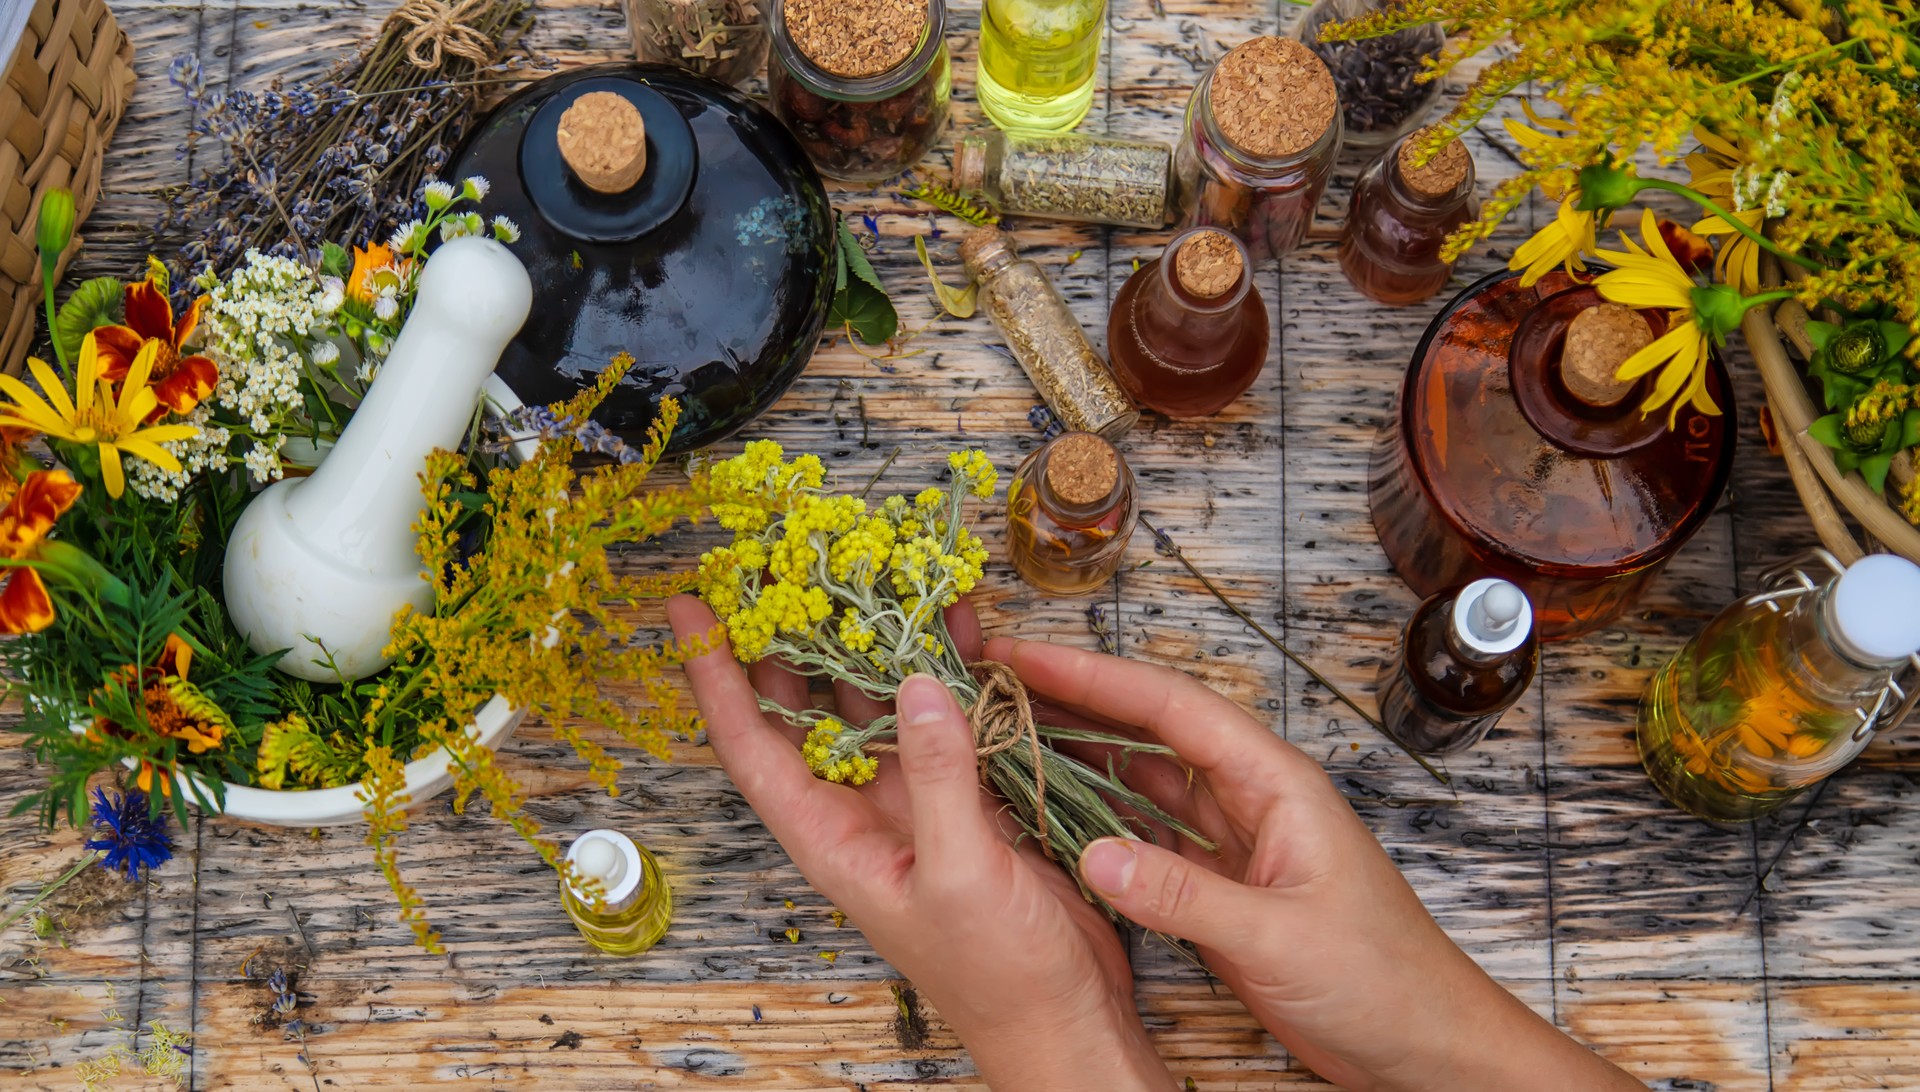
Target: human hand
<point>1032,977</point>
<point>1300,912</point>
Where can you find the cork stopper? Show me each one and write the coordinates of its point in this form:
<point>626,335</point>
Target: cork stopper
<point>1082,469</point>
<point>1599,340</point>
<point>984,248</point>
<point>1272,97</point>
<point>1442,174</point>
<point>604,141</point>
<point>1208,264</point>
<point>855,39</point>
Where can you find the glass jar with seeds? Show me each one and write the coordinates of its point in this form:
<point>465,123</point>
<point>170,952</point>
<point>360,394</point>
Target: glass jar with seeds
<point>1262,132</point>
<point>1402,212</point>
<point>863,84</point>
<point>1070,512</point>
<point>1381,96</point>
<point>1045,337</point>
<point>1067,176</point>
<point>723,40</point>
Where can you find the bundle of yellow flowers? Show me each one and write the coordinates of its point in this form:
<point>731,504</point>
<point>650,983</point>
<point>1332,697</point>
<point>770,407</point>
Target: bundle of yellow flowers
<point>1800,137</point>
<point>840,589</point>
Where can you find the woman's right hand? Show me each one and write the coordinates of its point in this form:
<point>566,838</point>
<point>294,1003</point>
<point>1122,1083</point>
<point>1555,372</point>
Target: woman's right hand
<point>1300,912</point>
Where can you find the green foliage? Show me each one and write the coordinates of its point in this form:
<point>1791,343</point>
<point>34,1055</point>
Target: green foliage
<point>93,303</point>
<point>860,302</point>
<point>959,302</point>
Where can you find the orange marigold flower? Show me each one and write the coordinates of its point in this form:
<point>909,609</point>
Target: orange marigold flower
<point>174,707</point>
<point>179,381</point>
<point>35,506</point>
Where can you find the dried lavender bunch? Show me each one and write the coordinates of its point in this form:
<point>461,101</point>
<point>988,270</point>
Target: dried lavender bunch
<point>342,156</point>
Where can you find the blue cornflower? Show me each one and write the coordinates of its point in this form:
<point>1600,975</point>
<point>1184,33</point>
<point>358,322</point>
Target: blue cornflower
<point>131,839</point>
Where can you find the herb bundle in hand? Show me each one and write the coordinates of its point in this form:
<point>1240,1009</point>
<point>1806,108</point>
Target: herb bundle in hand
<point>342,156</point>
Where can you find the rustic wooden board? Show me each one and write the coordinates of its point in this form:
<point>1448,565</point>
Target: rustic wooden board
<point>1551,858</point>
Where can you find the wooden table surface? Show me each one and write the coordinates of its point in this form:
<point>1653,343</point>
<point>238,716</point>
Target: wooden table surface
<point>1680,951</point>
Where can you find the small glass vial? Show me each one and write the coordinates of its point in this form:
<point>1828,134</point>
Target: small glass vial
<point>639,905</point>
<point>1188,331</point>
<point>723,40</point>
<point>863,84</point>
<point>1781,690</point>
<point>1045,337</point>
<point>1400,216</point>
<point>1067,176</point>
<point>1262,132</point>
<point>1037,61</point>
<point>1070,511</point>
<point>1465,657</point>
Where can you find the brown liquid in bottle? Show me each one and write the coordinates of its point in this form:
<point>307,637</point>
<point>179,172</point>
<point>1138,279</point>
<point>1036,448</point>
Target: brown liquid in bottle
<point>1578,504</point>
<point>1188,331</point>
<point>1444,690</point>
<point>1399,218</point>
<point>1070,511</point>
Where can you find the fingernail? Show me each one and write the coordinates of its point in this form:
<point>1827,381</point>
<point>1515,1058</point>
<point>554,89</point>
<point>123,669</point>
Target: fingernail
<point>1107,866</point>
<point>922,700</point>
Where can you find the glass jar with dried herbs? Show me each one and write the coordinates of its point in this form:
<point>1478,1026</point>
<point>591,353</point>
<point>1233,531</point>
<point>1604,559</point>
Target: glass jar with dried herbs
<point>864,84</point>
<point>1067,176</point>
<point>1381,95</point>
<point>723,40</point>
<point>1070,511</point>
<point>1262,132</point>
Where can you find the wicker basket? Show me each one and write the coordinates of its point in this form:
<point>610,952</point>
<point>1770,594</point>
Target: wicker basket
<point>1776,335</point>
<point>67,83</point>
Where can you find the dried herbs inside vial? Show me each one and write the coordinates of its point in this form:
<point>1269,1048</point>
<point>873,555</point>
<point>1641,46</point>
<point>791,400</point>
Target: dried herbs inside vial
<point>723,40</point>
<point>1067,176</point>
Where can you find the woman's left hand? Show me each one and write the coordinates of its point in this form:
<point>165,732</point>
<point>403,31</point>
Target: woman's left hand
<point>1032,977</point>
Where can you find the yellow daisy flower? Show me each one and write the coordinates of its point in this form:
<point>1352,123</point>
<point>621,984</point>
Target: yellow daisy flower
<point>1737,260</point>
<point>1653,278</point>
<point>1558,244</point>
<point>94,415</point>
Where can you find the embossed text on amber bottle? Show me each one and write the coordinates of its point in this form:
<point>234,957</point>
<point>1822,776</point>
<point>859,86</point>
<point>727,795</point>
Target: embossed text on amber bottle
<point>1492,465</point>
<point>1070,511</point>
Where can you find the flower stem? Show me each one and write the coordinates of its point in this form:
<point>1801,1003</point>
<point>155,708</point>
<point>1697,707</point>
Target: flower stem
<point>90,857</point>
<point>1729,218</point>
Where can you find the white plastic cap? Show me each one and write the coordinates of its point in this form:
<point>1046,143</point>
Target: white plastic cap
<point>610,857</point>
<point>1876,608</point>
<point>1492,617</point>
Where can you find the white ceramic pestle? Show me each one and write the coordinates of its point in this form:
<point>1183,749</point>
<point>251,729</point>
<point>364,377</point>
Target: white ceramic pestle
<point>324,562</point>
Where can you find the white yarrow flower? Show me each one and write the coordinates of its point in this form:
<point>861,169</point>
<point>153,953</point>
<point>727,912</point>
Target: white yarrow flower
<point>405,237</point>
<point>476,187</point>
<point>506,230</point>
<point>437,194</point>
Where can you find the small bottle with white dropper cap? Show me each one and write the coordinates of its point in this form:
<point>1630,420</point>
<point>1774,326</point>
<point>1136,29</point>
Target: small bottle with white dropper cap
<point>639,906</point>
<point>1465,657</point>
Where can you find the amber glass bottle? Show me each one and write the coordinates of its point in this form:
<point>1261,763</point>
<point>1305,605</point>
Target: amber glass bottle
<point>1188,332</point>
<point>1399,217</point>
<point>1465,657</point>
<point>1070,511</point>
<point>1491,464</point>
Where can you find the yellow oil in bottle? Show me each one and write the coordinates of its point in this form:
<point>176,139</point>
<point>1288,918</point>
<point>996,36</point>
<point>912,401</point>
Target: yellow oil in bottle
<point>1037,61</point>
<point>638,902</point>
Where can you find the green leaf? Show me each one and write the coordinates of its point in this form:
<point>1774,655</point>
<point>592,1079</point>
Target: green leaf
<point>960,303</point>
<point>1895,335</point>
<point>1874,469</point>
<point>856,259</point>
<point>860,301</point>
<point>333,260</point>
<point>1827,431</point>
<point>1909,430</point>
<point>1820,332</point>
<point>94,303</point>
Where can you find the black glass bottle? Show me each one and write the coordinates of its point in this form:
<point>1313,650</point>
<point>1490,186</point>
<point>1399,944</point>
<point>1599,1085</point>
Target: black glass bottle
<point>715,269</point>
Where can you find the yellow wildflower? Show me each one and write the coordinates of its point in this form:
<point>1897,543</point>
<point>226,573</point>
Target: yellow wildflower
<point>1559,244</point>
<point>93,415</point>
<point>1654,278</point>
<point>826,755</point>
<point>977,469</point>
<point>1737,262</point>
<point>854,631</point>
<point>932,497</point>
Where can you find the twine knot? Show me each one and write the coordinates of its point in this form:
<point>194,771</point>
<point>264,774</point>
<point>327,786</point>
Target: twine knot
<point>1002,720</point>
<point>440,28</point>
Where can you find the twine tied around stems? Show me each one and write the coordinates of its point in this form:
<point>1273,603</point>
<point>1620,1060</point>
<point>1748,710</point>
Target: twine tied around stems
<point>1002,719</point>
<point>440,28</point>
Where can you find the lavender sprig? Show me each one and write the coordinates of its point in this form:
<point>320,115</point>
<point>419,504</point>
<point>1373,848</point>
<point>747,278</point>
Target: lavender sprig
<point>593,437</point>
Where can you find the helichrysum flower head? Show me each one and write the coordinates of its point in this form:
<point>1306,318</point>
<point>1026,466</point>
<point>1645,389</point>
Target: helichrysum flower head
<point>977,469</point>
<point>829,754</point>
<point>131,840</point>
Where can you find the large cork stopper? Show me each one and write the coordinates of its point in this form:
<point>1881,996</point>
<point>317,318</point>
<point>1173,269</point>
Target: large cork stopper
<point>1082,469</point>
<point>1272,97</point>
<point>604,141</point>
<point>1599,340</point>
<point>1208,264</point>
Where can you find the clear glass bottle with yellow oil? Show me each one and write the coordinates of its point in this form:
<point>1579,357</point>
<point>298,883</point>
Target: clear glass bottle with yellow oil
<point>1782,689</point>
<point>1037,61</point>
<point>638,905</point>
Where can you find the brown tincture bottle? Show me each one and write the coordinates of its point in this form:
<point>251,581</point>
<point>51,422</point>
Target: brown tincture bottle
<point>1465,657</point>
<point>1492,464</point>
<point>1399,217</point>
<point>1070,511</point>
<point>1188,332</point>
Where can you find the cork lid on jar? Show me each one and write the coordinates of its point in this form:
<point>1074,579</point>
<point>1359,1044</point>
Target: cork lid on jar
<point>855,39</point>
<point>1272,97</point>
<point>1208,264</point>
<point>1599,340</point>
<point>1439,176</point>
<point>603,140</point>
<point>1082,470</point>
